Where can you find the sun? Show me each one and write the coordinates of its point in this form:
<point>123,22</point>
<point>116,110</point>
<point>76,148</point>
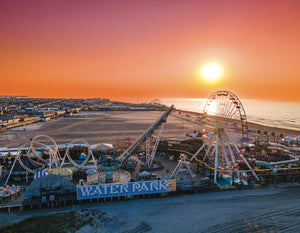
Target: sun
<point>211,72</point>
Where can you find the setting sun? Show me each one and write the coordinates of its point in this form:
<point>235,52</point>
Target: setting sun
<point>211,72</point>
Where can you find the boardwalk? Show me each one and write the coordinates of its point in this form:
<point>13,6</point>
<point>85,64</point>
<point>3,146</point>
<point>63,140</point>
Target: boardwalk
<point>264,210</point>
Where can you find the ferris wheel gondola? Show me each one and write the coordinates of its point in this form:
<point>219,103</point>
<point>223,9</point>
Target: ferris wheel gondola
<point>224,109</point>
<point>225,147</point>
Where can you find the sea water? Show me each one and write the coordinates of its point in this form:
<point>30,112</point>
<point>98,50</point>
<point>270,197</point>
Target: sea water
<point>274,114</point>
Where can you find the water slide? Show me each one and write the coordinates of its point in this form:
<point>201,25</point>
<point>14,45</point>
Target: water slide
<point>284,146</point>
<point>294,160</point>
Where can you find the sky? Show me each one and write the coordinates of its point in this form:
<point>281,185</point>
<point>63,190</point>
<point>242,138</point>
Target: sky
<point>126,49</point>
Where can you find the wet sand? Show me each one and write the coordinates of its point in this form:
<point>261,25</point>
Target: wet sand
<point>102,127</point>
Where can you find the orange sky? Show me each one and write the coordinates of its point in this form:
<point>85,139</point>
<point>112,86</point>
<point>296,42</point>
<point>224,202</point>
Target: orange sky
<point>149,49</point>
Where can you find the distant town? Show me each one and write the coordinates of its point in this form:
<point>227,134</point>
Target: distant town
<point>21,110</point>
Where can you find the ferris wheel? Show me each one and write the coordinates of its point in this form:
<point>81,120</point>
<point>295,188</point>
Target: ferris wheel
<point>222,150</point>
<point>224,109</point>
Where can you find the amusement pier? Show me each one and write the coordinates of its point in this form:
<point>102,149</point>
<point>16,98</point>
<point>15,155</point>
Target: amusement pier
<point>219,151</point>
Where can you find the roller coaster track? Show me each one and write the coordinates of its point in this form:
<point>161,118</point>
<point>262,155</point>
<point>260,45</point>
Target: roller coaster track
<point>89,154</point>
<point>127,153</point>
<point>19,160</point>
<point>227,171</point>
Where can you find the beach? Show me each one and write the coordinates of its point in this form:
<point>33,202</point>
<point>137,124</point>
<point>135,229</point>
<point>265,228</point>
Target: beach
<point>103,127</point>
<point>150,116</point>
<point>255,210</point>
<point>270,113</point>
<point>273,209</point>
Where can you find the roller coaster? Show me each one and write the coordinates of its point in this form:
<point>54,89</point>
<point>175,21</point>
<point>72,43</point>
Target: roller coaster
<point>35,151</point>
<point>223,150</point>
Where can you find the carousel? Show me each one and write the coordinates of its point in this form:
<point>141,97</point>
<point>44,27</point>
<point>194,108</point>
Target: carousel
<point>9,193</point>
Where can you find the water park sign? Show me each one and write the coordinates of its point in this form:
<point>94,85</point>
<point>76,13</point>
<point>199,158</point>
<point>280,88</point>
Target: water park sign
<point>125,189</point>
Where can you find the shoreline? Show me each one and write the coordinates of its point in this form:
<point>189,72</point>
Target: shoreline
<point>257,126</point>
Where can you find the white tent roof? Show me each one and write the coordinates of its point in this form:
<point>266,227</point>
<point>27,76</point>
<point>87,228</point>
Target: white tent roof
<point>297,138</point>
<point>288,139</point>
<point>40,174</point>
<point>91,171</point>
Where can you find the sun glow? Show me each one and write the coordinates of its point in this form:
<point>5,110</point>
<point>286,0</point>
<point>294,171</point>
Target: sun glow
<point>212,108</point>
<point>211,72</point>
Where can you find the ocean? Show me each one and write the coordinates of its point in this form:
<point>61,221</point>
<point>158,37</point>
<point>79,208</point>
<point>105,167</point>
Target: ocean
<point>274,114</point>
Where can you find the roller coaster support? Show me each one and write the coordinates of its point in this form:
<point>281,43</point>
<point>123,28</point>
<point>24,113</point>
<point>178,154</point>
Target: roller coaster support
<point>126,154</point>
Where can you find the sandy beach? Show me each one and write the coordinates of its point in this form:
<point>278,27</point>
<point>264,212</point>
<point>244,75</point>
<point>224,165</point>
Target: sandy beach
<point>273,209</point>
<point>102,127</point>
<point>253,127</point>
<point>89,141</point>
<point>95,127</point>
<point>262,210</point>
